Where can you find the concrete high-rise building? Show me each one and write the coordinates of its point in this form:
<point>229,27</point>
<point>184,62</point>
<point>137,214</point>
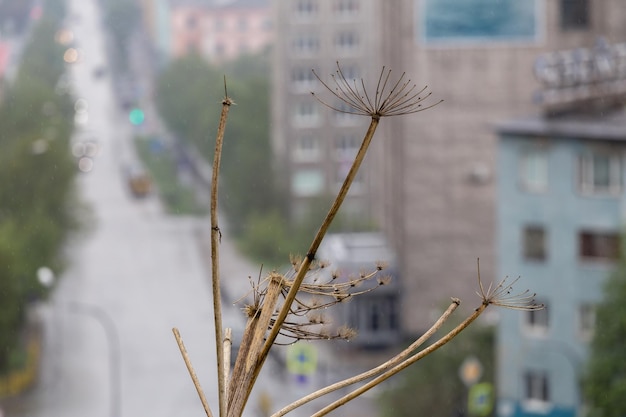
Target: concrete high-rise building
<point>314,146</point>
<point>435,171</point>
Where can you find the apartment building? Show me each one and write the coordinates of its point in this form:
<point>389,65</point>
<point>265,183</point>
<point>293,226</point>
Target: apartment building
<point>436,171</point>
<point>560,210</point>
<point>314,145</point>
<point>219,30</point>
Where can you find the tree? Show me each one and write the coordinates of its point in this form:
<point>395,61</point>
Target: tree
<point>121,17</point>
<point>605,382</point>
<point>185,106</point>
<point>37,200</point>
<point>433,386</point>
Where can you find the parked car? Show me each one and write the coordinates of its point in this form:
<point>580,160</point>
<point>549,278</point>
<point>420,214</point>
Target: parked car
<point>138,180</point>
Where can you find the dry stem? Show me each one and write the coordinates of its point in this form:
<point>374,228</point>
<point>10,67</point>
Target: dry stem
<point>391,372</point>
<point>216,235</point>
<point>374,371</point>
<point>192,373</point>
<point>306,262</point>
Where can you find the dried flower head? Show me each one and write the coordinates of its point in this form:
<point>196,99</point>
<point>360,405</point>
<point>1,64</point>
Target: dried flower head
<point>503,295</point>
<point>390,99</point>
<point>321,289</point>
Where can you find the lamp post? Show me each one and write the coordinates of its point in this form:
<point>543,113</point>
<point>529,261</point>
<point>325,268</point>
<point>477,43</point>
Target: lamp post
<point>115,372</point>
<point>46,278</point>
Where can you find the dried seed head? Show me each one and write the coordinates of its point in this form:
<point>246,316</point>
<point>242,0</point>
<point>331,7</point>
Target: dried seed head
<point>384,280</point>
<point>380,265</point>
<point>502,295</point>
<point>390,99</point>
<point>346,333</point>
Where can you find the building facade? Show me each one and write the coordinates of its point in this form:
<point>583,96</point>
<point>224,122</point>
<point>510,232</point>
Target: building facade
<point>314,145</point>
<point>560,213</point>
<point>435,183</point>
<point>219,31</point>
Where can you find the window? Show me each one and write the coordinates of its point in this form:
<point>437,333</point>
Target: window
<point>600,172</point>
<point>303,78</point>
<point>598,245</point>
<point>574,14</point>
<point>346,7</point>
<point>191,22</point>
<point>534,170</point>
<point>345,116</point>
<point>306,44</point>
<point>535,243</point>
<point>307,182</point>
<point>242,24</point>
<point>307,148</point>
<point>306,8</point>
<point>346,147</point>
<point>376,317</point>
<point>586,320</point>
<point>306,114</point>
<point>537,321</point>
<point>536,386</point>
<point>346,41</point>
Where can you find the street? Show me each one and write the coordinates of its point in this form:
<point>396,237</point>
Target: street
<point>133,274</point>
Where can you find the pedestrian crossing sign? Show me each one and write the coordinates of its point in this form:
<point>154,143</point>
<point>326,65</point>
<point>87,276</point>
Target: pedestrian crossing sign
<point>302,358</point>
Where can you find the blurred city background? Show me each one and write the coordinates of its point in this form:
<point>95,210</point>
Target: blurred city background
<point>108,116</point>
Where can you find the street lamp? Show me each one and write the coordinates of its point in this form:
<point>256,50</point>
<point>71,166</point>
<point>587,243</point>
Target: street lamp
<point>46,278</point>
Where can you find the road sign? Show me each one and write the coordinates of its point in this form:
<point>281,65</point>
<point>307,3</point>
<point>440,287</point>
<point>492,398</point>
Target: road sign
<point>480,399</point>
<point>302,359</point>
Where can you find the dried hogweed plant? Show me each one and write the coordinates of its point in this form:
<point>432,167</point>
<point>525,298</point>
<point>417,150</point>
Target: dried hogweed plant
<point>289,307</point>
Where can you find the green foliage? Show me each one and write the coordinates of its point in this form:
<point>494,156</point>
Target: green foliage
<point>121,17</point>
<point>37,200</point>
<point>42,60</point>
<point>189,94</point>
<point>432,385</point>
<point>605,382</point>
<point>266,239</point>
<point>178,198</point>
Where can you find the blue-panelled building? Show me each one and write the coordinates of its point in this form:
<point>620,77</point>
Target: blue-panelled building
<point>561,204</point>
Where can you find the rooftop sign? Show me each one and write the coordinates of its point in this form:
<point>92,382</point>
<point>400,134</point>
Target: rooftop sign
<point>580,78</point>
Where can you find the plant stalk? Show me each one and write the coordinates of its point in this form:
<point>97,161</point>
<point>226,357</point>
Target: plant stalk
<point>391,372</point>
<point>306,262</point>
<point>216,236</point>
<point>192,373</point>
<point>374,371</point>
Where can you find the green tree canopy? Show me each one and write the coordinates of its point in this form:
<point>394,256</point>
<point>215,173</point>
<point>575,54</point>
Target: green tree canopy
<point>433,385</point>
<point>189,94</point>
<point>605,384</point>
<point>37,200</point>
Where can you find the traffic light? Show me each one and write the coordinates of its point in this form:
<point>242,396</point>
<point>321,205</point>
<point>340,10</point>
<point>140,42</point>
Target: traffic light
<point>136,116</point>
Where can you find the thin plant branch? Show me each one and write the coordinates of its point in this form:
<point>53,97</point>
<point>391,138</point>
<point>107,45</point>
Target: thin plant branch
<point>404,364</point>
<point>501,296</point>
<point>216,236</point>
<point>358,102</point>
<point>228,344</point>
<point>192,373</point>
<point>374,371</point>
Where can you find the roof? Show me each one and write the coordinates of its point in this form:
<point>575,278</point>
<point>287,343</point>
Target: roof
<point>609,125</point>
<point>5,50</point>
<point>356,248</point>
<point>222,4</point>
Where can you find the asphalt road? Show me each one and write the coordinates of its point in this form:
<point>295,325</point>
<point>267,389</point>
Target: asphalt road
<point>135,273</point>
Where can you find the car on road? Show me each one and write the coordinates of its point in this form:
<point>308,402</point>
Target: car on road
<point>138,180</point>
